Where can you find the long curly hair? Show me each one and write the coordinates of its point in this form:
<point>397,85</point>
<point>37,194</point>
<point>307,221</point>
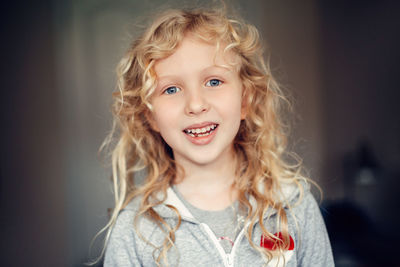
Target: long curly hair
<point>260,144</point>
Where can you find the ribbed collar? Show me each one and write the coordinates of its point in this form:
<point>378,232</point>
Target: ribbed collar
<point>288,195</point>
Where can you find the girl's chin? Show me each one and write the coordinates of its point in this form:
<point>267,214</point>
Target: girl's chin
<point>207,157</point>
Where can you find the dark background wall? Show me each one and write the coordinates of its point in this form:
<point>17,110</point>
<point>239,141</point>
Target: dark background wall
<point>359,55</point>
<point>339,59</point>
<point>360,76</point>
<point>32,198</point>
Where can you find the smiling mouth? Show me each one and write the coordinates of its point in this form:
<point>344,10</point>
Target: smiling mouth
<point>201,132</point>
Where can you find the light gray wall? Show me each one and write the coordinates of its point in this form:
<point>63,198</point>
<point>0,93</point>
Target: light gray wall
<point>291,31</point>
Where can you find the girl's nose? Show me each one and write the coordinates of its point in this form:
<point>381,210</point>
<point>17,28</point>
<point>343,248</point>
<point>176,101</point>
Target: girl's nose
<point>196,103</point>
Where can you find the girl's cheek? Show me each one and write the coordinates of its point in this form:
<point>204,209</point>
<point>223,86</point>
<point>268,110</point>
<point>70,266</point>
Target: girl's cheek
<point>151,118</point>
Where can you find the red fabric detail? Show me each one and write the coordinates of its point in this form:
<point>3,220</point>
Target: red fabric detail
<point>272,244</point>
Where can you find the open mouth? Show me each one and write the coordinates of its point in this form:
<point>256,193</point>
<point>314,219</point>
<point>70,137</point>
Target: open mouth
<point>201,132</point>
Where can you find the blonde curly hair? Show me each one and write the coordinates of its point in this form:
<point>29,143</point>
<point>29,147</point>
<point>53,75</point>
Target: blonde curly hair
<point>260,144</point>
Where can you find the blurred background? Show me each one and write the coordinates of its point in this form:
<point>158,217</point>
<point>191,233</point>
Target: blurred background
<point>338,59</point>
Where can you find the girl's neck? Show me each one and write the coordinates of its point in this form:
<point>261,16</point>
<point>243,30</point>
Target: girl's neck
<point>209,187</point>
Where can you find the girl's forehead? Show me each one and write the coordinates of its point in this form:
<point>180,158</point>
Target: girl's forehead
<point>194,49</point>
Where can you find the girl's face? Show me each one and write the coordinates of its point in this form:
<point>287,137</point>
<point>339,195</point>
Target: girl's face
<point>198,102</point>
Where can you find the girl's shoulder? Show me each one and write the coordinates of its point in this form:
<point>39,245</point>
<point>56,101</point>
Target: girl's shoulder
<point>126,223</point>
<point>123,228</point>
<point>303,209</point>
<point>299,203</point>
<point>291,194</point>
<point>128,234</point>
<point>131,216</point>
<point>311,237</point>
<point>298,197</point>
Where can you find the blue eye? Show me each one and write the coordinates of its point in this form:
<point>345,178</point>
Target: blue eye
<point>172,90</point>
<point>213,82</point>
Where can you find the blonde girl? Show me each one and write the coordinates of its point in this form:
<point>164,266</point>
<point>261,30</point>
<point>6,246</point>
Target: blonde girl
<point>198,113</point>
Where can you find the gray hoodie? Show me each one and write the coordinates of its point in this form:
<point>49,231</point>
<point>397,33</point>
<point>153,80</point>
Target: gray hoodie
<point>196,244</point>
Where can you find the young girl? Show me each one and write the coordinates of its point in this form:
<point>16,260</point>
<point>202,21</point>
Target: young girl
<point>199,112</point>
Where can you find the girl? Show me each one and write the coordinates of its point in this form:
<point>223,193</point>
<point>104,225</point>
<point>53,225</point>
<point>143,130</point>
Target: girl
<point>198,111</point>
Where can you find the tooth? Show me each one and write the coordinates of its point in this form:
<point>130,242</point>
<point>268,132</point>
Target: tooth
<point>201,130</point>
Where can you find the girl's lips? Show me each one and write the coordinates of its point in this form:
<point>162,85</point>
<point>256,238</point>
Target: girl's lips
<point>203,139</point>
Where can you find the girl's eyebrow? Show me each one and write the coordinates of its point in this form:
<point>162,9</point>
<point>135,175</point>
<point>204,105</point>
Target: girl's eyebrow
<point>165,79</point>
<point>175,77</point>
<point>218,67</point>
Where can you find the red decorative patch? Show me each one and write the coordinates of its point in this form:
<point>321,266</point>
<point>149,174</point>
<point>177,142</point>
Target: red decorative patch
<point>272,244</point>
